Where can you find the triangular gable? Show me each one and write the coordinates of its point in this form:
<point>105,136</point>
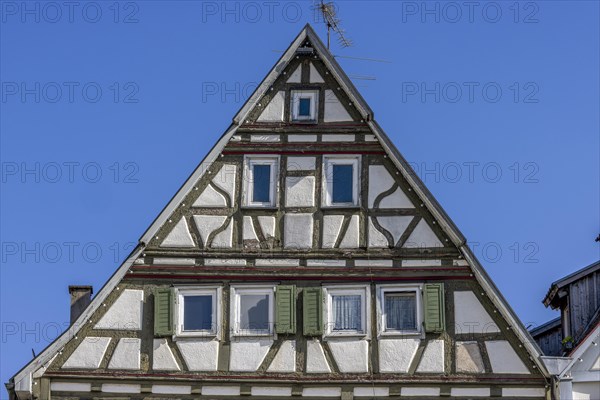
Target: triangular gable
<point>23,379</point>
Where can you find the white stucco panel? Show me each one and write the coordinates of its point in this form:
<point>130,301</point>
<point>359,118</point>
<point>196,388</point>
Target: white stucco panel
<point>206,224</point>
<point>315,77</point>
<point>523,392</point>
<point>468,358</point>
<point>470,316</point>
<point>331,229</point>
<point>376,238</point>
<point>296,76</point>
<point>89,353</point>
<point>199,354</point>
<point>298,231</point>
<point>162,356</point>
<point>321,392</point>
<point>267,224</point>
<point>504,359</point>
<point>248,353</point>
<point>395,225</point>
<point>395,355</point>
<point>273,112</point>
<point>470,392</point>
<point>315,358</point>
<point>350,240</point>
<point>432,359</point>
<point>350,355</point>
<point>370,391</point>
<point>380,180</point>
<point>126,354</point>
<point>301,163</point>
<point>300,191</point>
<point>179,236</point>
<point>248,232</point>
<point>334,110</point>
<point>397,199</point>
<point>225,180</point>
<point>125,313</point>
<point>285,359</point>
<point>420,391</point>
<point>210,198</point>
<point>422,236</point>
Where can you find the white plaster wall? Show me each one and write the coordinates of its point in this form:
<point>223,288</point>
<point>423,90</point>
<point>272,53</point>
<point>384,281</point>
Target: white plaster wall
<point>302,138</point>
<point>206,224</point>
<point>125,313</point>
<point>247,354</point>
<point>334,110</point>
<point>422,236</point>
<point>370,391</point>
<point>326,263</point>
<point>179,236</point>
<point>224,261</point>
<point>225,179</point>
<point>248,231</point>
<point>395,355</point>
<point>315,77</point>
<point>296,76</point>
<point>315,358</point>
<point>396,200</point>
<point>199,354</point>
<point>380,180</point>
<point>162,356</point>
<point>300,191</point>
<point>504,359</point>
<point>322,392</point>
<point>301,163</point>
<point>273,112</point>
<point>267,224</point>
<point>210,198</point>
<point>121,388</point>
<point>171,389</point>
<point>395,225</point>
<point>524,392</point>
<point>432,360</point>
<point>298,231</point>
<point>331,229</point>
<point>277,262</point>
<point>224,239</point>
<point>376,238</point>
<point>220,390</point>
<point>373,263</point>
<point>285,359</point>
<point>470,316</point>
<point>468,358</point>
<point>586,391</point>
<point>419,391</point>
<point>70,387</point>
<point>270,391</point>
<point>350,355</point>
<point>337,137</point>
<point>350,240</point>
<point>470,392</point>
<point>126,354</point>
<point>265,138</point>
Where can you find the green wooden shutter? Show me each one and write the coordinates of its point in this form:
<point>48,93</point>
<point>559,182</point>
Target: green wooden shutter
<point>433,297</point>
<point>312,311</point>
<point>285,312</point>
<point>163,311</point>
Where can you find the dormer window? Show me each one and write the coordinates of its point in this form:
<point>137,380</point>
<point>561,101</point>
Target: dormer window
<point>304,105</point>
<point>260,177</point>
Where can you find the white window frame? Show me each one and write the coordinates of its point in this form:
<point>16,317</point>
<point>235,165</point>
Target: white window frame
<point>234,319</point>
<point>364,292</point>
<point>381,318</point>
<point>216,293</point>
<point>295,97</point>
<point>328,162</point>
<point>249,162</point>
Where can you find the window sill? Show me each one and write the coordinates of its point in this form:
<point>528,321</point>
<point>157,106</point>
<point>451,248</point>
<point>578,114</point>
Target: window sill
<point>334,336</point>
<point>256,335</point>
<point>260,207</point>
<point>398,335</point>
<point>185,336</point>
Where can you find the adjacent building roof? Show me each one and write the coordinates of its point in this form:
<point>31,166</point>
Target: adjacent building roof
<point>550,298</point>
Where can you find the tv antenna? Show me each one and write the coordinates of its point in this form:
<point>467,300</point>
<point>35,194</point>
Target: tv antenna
<point>333,23</point>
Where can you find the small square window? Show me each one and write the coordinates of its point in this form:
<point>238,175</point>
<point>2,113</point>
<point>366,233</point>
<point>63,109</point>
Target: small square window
<point>347,311</point>
<point>400,309</point>
<point>260,181</point>
<point>252,310</point>
<point>304,105</point>
<point>197,311</point>
<point>341,181</point>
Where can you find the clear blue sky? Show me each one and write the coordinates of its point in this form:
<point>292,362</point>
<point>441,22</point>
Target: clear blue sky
<point>110,108</point>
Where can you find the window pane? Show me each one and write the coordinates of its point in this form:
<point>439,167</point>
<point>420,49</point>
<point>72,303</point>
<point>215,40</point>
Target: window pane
<point>342,184</point>
<point>197,313</point>
<point>400,311</point>
<point>304,108</point>
<point>261,175</point>
<point>346,313</point>
<point>254,312</point>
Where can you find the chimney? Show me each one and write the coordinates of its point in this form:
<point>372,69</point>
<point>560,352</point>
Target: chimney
<point>81,296</point>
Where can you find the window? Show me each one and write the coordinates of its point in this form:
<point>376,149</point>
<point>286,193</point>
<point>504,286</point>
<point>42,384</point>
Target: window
<point>400,309</point>
<point>198,310</point>
<point>341,181</point>
<point>347,311</point>
<point>261,181</point>
<point>304,105</point>
<point>252,310</point>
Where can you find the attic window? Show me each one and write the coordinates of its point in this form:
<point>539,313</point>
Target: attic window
<point>260,181</point>
<point>400,309</point>
<point>197,311</point>
<point>341,181</point>
<point>252,310</point>
<point>304,105</point>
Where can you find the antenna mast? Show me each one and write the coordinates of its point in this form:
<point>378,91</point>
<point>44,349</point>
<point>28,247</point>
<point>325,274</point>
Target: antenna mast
<point>333,22</point>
